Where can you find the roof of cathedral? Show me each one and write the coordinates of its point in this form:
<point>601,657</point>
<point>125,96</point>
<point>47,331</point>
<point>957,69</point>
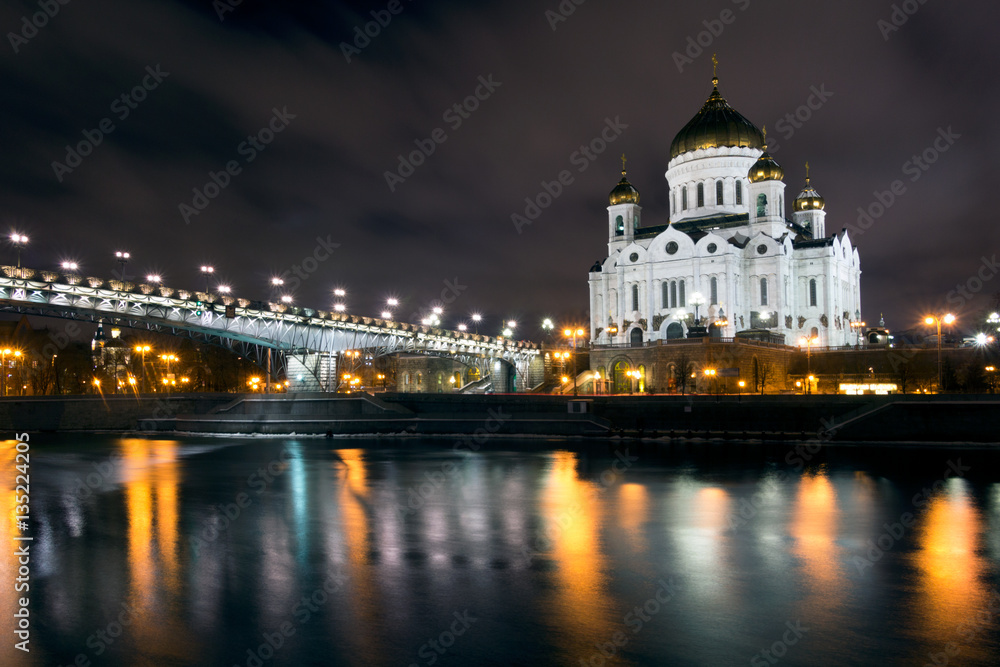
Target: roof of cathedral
<point>716,124</point>
<point>765,169</point>
<point>624,193</point>
<point>809,199</point>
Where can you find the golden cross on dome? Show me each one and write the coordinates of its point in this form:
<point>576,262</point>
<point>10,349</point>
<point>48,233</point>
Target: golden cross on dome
<point>715,65</point>
<point>764,130</point>
<point>623,164</point>
<point>807,170</point>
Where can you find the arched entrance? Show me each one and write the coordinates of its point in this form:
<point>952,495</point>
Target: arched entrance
<point>621,382</point>
<point>675,330</point>
<point>635,337</point>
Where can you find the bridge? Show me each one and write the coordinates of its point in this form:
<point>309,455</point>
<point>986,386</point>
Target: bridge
<point>303,344</point>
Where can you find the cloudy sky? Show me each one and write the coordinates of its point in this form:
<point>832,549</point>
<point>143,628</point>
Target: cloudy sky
<point>315,195</point>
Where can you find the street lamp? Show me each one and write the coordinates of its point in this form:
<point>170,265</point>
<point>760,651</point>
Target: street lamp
<point>477,318</point>
<point>386,315</point>
<point>947,318</point>
<point>857,325</point>
<point>392,302</point>
<point>3,356</point>
<point>70,266</point>
<point>143,349</point>
<point>573,333</point>
<point>696,300</point>
<point>809,342</point>
<point>765,316</point>
<point>19,241</point>
<point>340,291</point>
<point>207,271</point>
<point>224,289</point>
<point>710,373</point>
<point>154,278</point>
<point>123,258</point>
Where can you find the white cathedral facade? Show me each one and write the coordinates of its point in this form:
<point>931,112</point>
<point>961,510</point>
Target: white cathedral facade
<point>728,259</point>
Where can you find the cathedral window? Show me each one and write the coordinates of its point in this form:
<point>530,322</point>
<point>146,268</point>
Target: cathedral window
<point>684,198</point>
<point>619,226</point>
<point>701,194</point>
<point>812,292</point>
<point>739,192</point>
<point>665,293</point>
<point>680,294</point>
<point>763,291</point>
<point>673,293</point>
<point>714,289</point>
<point>718,193</point>
<point>761,205</point>
<point>635,297</point>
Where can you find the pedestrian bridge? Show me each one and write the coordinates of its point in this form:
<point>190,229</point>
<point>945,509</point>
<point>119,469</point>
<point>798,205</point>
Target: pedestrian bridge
<point>303,344</point>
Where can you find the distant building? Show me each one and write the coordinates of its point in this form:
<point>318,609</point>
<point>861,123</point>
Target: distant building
<point>728,260</point>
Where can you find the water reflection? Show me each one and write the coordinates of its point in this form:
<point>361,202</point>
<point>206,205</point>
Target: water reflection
<point>951,570</point>
<point>814,527</point>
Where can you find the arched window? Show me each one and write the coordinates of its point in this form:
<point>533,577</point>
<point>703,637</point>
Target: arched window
<point>701,194</point>
<point>761,205</point>
<point>420,378</point>
<point>714,289</point>
<point>739,192</point>
<point>673,293</point>
<point>665,290</point>
<point>763,291</point>
<point>684,198</point>
<point>635,297</point>
<point>812,292</point>
<point>619,226</point>
<point>680,296</point>
<point>718,193</point>
<point>406,379</point>
<point>814,333</point>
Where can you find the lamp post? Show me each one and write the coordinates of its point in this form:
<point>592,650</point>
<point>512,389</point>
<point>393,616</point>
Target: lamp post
<point>142,350</point>
<point>947,318</point>
<point>857,325</point>
<point>696,300</point>
<point>19,241</point>
<point>168,379</point>
<point>809,342</point>
<point>206,271</point>
<point>573,333</point>
<point>123,258</point>
<point>710,373</point>
<point>477,318</point>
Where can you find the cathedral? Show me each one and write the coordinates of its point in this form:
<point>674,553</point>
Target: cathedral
<point>729,262</point>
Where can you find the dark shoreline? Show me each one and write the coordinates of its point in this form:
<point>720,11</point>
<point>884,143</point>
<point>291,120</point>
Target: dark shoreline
<point>960,419</point>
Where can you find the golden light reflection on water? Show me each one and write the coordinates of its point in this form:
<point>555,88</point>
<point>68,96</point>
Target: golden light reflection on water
<point>362,590</point>
<point>582,606</point>
<point>814,528</point>
<point>151,476</point>
<point>633,508</point>
<point>950,569</point>
<point>701,539</point>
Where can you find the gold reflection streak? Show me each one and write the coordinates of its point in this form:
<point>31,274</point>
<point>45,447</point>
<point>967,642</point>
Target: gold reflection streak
<point>814,528</point>
<point>633,504</point>
<point>361,588</point>
<point>151,480</point>
<point>950,571</point>
<point>9,563</point>
<point>571,508</point>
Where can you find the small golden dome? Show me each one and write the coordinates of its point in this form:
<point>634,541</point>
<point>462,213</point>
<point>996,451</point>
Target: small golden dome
<point>717,124</point>
<point>809,199</point>
<point>623,193</point>
<point>765,168</point>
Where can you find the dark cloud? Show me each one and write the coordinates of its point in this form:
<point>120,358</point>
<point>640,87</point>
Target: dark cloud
<point>325,174</point>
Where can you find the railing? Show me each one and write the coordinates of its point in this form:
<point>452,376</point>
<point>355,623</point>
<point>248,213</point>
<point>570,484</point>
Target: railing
<point>705,340</point>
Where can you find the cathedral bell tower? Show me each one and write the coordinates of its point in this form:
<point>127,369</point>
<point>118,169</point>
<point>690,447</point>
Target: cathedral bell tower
<point>767,195</point>
<point>809,209</point>
<point>623,213</point>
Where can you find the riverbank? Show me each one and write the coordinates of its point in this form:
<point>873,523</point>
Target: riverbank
<point>895,418</point>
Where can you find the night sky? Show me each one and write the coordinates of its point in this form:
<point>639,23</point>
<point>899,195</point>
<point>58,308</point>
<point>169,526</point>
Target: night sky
<point>447,227</point>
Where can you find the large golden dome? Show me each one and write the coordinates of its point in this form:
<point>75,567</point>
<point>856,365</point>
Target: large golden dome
<point>717,124</point>
<point>623,193</point>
